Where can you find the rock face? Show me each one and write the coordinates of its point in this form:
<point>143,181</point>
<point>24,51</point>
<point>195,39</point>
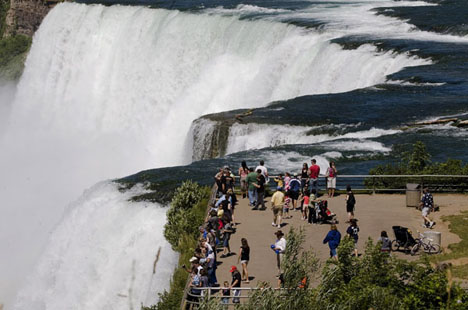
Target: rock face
<point>25,16</point>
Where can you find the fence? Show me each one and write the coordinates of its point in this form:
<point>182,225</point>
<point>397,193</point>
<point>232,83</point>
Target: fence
<point>394,183</point>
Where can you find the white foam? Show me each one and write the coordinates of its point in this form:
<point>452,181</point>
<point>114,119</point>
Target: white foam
<point>355,18</point>
<point>255,136</point>
<point>101,255</point>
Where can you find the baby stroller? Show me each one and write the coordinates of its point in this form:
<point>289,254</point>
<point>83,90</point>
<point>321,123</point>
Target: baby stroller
<point>324,215</point>
<point>404,239</point>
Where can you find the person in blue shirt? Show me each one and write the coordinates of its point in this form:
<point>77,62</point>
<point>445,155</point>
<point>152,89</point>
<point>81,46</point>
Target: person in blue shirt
<point>333,239</point>
<point>294,189</point>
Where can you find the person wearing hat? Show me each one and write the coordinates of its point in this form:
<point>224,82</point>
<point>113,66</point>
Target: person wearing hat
<point>277,206</point>
<point>235,283</point>
<point>279,247</point>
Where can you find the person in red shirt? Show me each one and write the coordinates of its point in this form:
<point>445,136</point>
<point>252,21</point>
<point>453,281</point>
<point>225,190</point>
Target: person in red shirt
<point>314,172</point>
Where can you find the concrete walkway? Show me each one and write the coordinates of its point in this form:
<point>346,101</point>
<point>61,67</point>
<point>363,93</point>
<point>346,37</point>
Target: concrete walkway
<point>374,212</point>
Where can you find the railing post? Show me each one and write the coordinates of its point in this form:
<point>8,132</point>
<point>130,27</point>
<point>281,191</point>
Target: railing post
<point>373,185</point>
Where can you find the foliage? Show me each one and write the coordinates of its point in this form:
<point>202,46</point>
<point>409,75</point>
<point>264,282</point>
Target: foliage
<point>191,200</point>
<point>4,6</point>
<point>185,213</point>
<point>380,281</point>
<point>12,54</point>
<point>416,161</point>
<point>12,49</point>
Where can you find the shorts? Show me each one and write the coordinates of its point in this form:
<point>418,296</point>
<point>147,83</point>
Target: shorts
<point>425,211</point>
<point>278,210</point>
<point>226,242</point>
<point>331,182</point>
<point>293,195</point>
<point>244,262</point>
<point>349,208</point>
<point>332,252</point>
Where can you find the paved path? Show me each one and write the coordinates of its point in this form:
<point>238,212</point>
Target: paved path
<point>374,212</point>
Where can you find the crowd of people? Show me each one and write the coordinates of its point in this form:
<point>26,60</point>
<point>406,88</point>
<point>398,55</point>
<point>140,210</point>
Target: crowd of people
<point>292,193</point>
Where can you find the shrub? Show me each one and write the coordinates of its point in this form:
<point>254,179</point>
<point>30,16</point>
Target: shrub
<point>185,213</point>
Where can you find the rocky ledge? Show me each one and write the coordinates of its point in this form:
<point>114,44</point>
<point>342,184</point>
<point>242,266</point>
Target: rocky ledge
<point>25,16</point>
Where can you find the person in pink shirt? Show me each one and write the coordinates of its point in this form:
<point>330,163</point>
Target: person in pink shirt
<point>314,172</point>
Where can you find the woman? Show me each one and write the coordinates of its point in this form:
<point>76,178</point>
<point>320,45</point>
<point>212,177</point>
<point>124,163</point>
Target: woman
<point>243,172</point>
<point>350,203</point>
<point>331,179</point>
<point>304,176</point>
<point>244,257</point>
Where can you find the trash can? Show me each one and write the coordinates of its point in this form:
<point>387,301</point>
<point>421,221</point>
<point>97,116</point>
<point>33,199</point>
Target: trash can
<point>413,195</point>
<point>435,236</point>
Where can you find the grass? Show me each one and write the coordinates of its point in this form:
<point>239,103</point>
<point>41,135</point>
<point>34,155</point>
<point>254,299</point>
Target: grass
<point>458,225</point>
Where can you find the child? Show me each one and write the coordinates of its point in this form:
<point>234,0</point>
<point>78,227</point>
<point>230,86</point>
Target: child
<point>353,231</point>
<point>305,204</point>
<point>287,201</point>
<point>386,243</point>
<point>226,293</point>
<point>279,181</point>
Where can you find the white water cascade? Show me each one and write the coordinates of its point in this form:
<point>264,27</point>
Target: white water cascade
<point>109,91</point>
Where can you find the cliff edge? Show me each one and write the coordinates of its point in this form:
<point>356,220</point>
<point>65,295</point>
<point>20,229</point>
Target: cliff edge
<point>25,16</point>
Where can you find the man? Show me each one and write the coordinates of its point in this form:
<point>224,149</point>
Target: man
<point>277,201</point>
<point>251,179</point>
<point>236,283</point>
<point>427,204</point>
<point>260,185</point>
<point>294,189</point>
<point>279,247</point>
<point>314,172</point>
<point>263,168</point>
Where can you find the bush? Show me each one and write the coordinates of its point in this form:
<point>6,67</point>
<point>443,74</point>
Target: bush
<point>185,213</point>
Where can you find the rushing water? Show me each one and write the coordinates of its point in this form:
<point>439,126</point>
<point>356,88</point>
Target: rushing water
<point>112,90</point>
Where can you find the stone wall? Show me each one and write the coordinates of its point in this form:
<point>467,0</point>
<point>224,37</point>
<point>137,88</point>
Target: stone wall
<point>25,16</point>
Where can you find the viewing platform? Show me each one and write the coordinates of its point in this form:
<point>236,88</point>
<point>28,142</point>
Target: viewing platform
<point>374,212</point>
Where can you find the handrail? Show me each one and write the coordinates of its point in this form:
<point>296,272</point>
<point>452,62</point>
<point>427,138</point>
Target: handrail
<point>211,292</point>
<point>387,176</point>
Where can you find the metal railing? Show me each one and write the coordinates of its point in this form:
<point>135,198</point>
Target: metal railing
<point>197,295</point>
<point>386,183</point>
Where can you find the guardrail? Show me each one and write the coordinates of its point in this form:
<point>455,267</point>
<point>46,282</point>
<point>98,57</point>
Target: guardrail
<point>386,183</point>
<point>198,295</point>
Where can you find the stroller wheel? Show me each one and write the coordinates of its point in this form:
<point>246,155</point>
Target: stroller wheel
<point>395,245</point>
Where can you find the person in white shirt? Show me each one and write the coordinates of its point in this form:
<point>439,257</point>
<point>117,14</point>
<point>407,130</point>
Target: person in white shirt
<point>264,170</point>
<point>279,247</point>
